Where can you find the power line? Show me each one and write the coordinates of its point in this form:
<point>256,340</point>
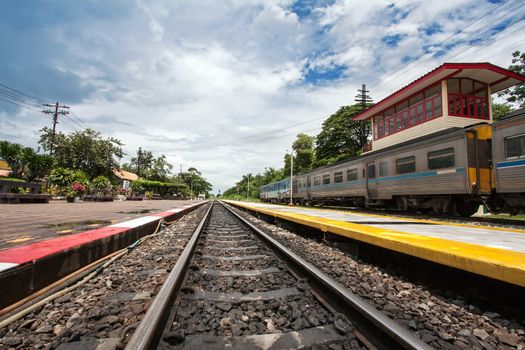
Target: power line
<point>80,122</point>
<point>23,93</point>
<point>418,60</point>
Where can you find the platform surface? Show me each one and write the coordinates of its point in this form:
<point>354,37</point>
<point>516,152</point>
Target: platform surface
<point>22,224</point>
<point>490,251</point>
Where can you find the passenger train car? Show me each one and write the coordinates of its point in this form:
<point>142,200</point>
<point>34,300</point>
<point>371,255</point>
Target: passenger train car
<point>450,171</point>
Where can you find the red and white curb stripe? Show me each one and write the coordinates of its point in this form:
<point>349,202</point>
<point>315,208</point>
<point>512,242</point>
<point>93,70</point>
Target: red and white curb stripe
<point>13,257</point>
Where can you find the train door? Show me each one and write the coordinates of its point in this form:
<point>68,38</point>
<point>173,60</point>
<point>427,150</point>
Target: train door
<point>308,188</point>
<point>479,159</point>
<point>371,183</point>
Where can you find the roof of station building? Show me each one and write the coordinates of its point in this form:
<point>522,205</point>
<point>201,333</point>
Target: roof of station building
<point>125,175</point>
<point>496,77</point>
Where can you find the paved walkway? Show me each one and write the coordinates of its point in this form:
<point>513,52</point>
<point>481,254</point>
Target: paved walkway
<point>29,223</point>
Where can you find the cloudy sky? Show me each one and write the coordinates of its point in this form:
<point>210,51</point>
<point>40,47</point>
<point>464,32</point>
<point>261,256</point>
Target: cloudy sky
<point>224,86</point>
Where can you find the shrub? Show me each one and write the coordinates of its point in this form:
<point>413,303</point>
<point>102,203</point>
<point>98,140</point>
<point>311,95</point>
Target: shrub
<point>101,183</point>
<point>61,177</point>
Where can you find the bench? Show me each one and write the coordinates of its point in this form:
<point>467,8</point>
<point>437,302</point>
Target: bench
<point>8,196</point>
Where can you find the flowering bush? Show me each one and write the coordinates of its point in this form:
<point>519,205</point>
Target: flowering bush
<point>77,189</point>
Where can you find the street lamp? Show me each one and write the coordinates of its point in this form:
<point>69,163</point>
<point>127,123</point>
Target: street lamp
<point>291,177</point>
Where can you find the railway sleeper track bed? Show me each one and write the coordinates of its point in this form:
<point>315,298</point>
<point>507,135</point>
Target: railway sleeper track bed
<point>234,287</point>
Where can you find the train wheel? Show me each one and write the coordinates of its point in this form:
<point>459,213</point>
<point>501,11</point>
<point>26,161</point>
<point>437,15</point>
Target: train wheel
<point>466,209</point>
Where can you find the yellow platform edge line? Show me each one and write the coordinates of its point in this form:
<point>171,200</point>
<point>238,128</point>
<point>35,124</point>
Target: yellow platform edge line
<point>500,264</point>
<point>428,221</point>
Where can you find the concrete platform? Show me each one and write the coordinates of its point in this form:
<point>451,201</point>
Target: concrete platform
<point>497,253</point>
<point>28,223</point>
<point>27,268</point>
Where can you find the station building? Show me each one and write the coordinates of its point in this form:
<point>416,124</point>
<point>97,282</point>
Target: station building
<point>452,95</point>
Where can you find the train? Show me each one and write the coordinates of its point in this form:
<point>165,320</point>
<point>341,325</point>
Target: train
<point>452,171</point>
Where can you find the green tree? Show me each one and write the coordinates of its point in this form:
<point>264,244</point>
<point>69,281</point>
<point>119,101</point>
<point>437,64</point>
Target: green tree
<point>38,167</point>
<point>516,94</point>
<point>303,147</point>
<point>84,150</point>
<point>146,166</point>
<point>24,161</point>
<point>160,169</point>
<point>341,137</point>
<point>500,109</point>
<point>195,181</point>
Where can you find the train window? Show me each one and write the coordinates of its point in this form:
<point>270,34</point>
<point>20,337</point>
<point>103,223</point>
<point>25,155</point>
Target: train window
<point>406,165</point>
<point>371,171</point>
<point>338,177</point>
<point>326,179</point>
<point>383,169</point>
<point>515,146</point>
<point>317,180</point>
<point>441,159</point>
<point>351,175</point>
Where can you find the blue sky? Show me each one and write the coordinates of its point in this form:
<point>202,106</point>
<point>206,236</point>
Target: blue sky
<point>204,81</point>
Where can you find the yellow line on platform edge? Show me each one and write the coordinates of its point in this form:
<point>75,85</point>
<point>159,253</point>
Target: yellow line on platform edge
<point>496,263</point>
<point>447,223</point>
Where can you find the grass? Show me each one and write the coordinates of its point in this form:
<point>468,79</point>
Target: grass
<point>14,179</point>
<point>505,217</point>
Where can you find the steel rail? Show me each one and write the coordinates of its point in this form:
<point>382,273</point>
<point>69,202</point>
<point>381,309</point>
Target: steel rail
<point>150,328</point>
<point>380,330</point>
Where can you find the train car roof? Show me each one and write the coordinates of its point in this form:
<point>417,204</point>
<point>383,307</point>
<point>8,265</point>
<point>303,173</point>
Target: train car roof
<point>445,132</point>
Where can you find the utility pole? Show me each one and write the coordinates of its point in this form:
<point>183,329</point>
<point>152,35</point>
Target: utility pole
<point>139,156</point>
<point>362,98</point>
<point>248,192</point>
<point>55,113</point>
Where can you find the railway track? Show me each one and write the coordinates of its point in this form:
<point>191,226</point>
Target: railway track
<point>236,287</point>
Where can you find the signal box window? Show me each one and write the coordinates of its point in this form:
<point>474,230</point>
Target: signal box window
<point>441,159</point>
<point>351,175</point>
<point>515,147</point>
<point>383,169</point>
<point>406,165</point>
<point>338,177</point>
<point>371,171</point>
<point>326,179</point>
<point>317,181</point>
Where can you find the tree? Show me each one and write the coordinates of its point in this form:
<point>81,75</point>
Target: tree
<point>341,137</point>
<point>24,161</point>
<point>516,94</point>
<point>500,109</point>
<point>160,169</point>
<point>84,150</point>
<point>193,179</point>
<point>303,147</point>
<point>146,166</point>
